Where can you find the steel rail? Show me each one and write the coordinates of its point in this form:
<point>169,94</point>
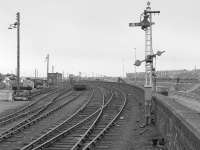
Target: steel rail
<point>25,107</point>
<point>54,130</point>
<point>92,143</point>
<point>81,140</point>
<point>40,111</point>
<point>34,94</point>
<point>69,130</point>
<point>26,113</point>
<point>46,139</point>
<point>65,132</point>
<point>33,119</point>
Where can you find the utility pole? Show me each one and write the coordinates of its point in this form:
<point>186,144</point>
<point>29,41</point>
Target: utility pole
<point>146,25</point>
<point>52,68</point>
<point>47,59</point>
<point>18,50</point>
<point>17,25</point>
<point>123,69</point>
<point>35,73</point>
<point>63,75</point>
<point>135,66</point>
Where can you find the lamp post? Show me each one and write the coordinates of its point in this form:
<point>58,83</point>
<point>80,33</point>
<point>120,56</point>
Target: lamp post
<point>12,26</point>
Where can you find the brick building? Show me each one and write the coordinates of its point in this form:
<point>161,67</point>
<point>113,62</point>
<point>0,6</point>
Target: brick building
<point>54,78</point>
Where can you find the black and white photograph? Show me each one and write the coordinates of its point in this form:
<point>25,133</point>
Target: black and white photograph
<point>99,75</point>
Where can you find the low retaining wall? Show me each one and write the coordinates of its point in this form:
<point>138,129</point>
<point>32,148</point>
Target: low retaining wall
<point>176,123</point>
<point>178,133</point>
<point>173,122</point>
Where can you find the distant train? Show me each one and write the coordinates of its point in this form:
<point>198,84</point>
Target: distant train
<point>79,86</point>
<point>162,90</point>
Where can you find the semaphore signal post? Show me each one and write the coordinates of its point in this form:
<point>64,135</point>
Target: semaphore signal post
<point>146,25</point>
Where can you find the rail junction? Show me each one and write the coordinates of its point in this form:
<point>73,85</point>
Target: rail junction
<point>100,117</point>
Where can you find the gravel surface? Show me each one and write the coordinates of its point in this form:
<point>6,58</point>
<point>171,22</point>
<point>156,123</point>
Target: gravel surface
<point>127,133</point>
<point>21,139</point>
<point>7,107</point>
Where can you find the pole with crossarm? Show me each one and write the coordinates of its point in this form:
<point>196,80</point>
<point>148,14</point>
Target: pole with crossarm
<point>12,26</point>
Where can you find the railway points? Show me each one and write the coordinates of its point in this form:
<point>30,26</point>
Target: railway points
<point>35,118</point>
<point>87,127</point>
<point>107,115</point>
<point>152,111</point>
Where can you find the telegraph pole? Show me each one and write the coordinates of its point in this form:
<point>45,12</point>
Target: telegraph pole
<point>146,25</point>
<point>135,65</point>
<point>35,73</point>
<point>47,59</point>
<point>12,26</point>
<point>123,69</point>
<point>18,50</point>
<point>52,69</point>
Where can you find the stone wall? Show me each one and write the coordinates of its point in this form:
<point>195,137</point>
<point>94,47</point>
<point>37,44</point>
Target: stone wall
<point>177,132</point>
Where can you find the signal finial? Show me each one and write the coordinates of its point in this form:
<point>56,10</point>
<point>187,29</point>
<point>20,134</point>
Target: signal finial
<point>148,3</point>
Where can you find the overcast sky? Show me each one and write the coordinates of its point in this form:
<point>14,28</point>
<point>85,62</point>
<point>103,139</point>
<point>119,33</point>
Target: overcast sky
<point>92,36</point>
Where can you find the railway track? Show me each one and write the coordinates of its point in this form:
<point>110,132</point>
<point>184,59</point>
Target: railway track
<point>30,109</point>
<point>15,136</point>
<point>188,95</point>
<point>29,106</point>
<point>110,113</point>
<point>35,113</point>
<point>91,107</point>
<point>85,127</point>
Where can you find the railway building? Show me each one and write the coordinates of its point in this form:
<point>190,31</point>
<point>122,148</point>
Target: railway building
<point>54,79</point>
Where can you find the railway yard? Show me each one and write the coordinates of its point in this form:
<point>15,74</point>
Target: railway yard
<point>73,86</point>
<point>103,116</point>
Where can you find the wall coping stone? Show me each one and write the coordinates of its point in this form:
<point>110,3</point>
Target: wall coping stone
<point>187,119</point>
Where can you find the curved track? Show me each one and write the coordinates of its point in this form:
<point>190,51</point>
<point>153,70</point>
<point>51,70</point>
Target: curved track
<point>91,107</point>
<point>27,108</point>
<point>83,129</point>
<point>110,113</point>
<point>33,109</point>
<point>47,116</point>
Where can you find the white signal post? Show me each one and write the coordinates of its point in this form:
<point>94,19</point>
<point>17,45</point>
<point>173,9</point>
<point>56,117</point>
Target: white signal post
<point>146,25</point>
